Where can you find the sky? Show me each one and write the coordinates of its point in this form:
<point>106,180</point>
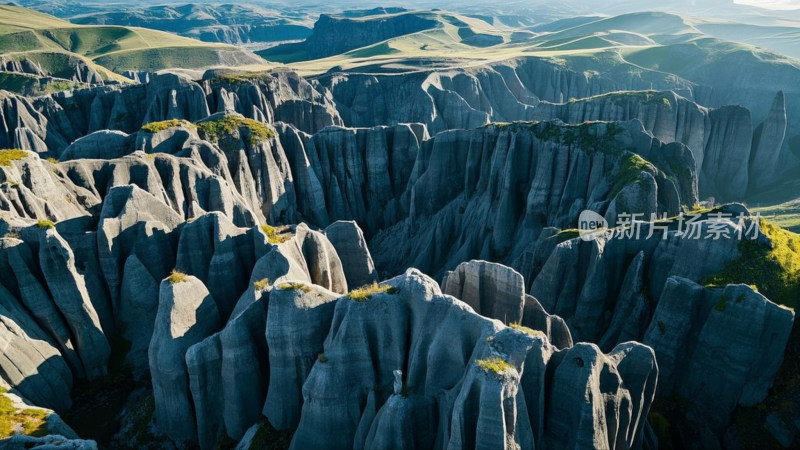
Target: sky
<point>772,4</point>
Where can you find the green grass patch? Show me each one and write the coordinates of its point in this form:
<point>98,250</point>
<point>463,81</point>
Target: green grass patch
<point>629,170</point>
<point>11,154</point>
<point>494,364</point>
<point>276,235</point>
<point>45,224</point>
<point>261,285</point>
<point>155,127</point>
<point>31,422</point>
<point>567,234</point>
<point>785,215</point>
<point>517,326</point>
<point>322,358</point>
<point>366,292</point>
<point>294,286</point>
<point>235,78</point>
<point>776,270</point>
<point>176,277</point>
<point>189,56</point>
<point>257,132</point>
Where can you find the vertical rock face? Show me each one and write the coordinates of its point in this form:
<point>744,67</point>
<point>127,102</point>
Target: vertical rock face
<point>535,317</point>
<point>186,315</point>
<point>23,274</point>
<point>504,91</point>
<point>321,260</point>
<point>492,290</point>
<point>204,365</point>
<point>471,376</point>
<point>30,180</point>
<point>348,240</point>
<point>718,347</point>
<point>229,375</point>
<point>731,129</point>
<point>69,293</point>
<point>511,182</point>
<point>297,324</point>
<point>595,423</point>
<point>30,362</point>
<point>578,277</point>
<point>221,255</point>
<point>333,35</point>
<point>768,140</point>
<point>360,172</point>
<point>134,245</point>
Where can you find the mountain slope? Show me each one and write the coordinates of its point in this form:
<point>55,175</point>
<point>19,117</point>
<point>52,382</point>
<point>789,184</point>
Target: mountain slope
<point>231,24</point>
<point>119,48</point>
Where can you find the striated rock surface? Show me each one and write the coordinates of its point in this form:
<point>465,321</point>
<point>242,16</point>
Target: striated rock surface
<point>489,193</point>
<point>725,140</point>
<point>477,398</point>
<point>348,240</point>
<point>492,290</point>
<point>186,315</point>
<point>726,353</point>
<point>186,174</point>
<point>297,325</point>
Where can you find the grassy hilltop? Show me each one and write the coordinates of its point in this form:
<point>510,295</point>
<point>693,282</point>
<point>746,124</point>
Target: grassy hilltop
<point>49,41</point>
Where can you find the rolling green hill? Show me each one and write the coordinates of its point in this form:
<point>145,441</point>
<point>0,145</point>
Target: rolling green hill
<point>118,48</point>
<point>225,23</point>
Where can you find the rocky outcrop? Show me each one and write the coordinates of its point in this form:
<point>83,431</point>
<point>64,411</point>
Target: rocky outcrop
<point>186,315</point>
<point>354,173</point>
<point>732,335</point>
<point>768,140</point>
<point>524,89</point>
<point>492,290</point>
<point>481,395</point>
<point>67,289</point>
<point>51,441</point>
<point>56,64</point>
<point>103,144</point>
<point>514,181</point>
<point>335,34</point>
<point>616,270</point>
<point>51,123</point>
<point>37,189</point>
<point>385,177</point>
<point>285,349</point>
<point>503,91</point>
<point>719,139</point>
<point>294,348</point>
<point>31,363</point>
<point>498,292</point>
<point>348,240</point>
<point>262,325</point>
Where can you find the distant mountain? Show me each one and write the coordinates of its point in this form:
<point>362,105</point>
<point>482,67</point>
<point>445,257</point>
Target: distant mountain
<point>337,34</point>
<point>228,23</point>
<point>40,45</point>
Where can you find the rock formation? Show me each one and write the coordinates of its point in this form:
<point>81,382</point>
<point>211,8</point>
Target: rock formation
<point>224,238</point>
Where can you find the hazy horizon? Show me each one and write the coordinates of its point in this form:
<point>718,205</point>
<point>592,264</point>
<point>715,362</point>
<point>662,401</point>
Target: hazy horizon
<point>771,4</point>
